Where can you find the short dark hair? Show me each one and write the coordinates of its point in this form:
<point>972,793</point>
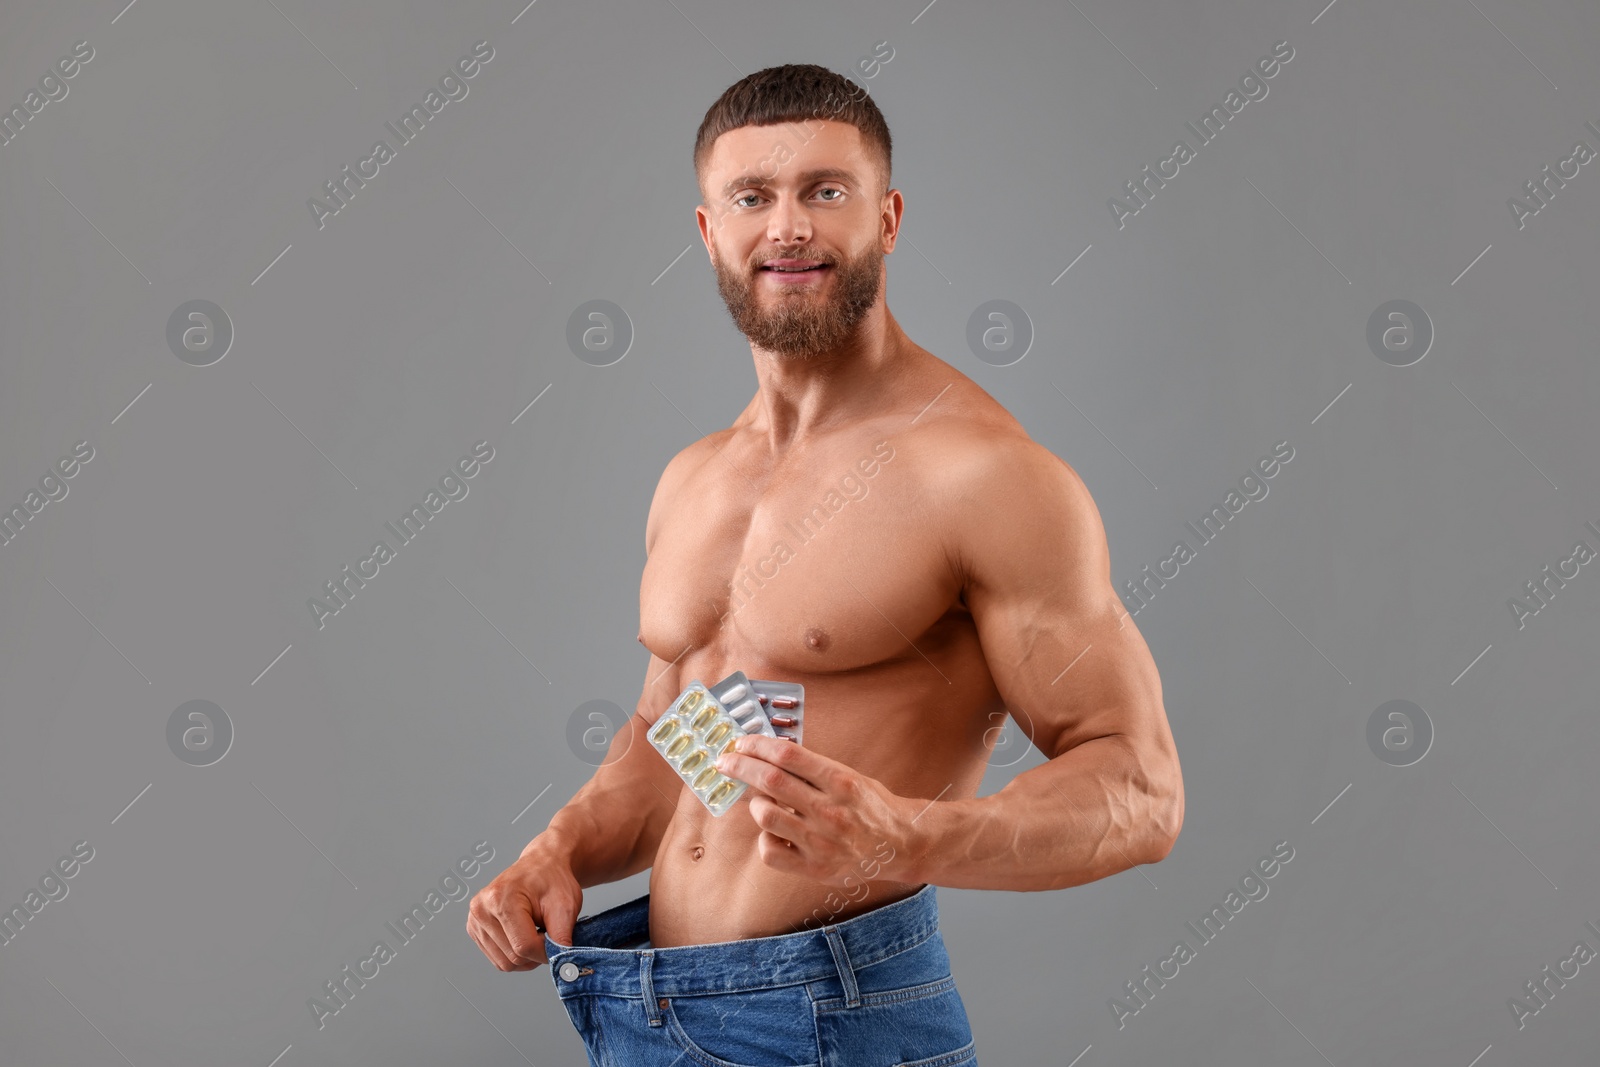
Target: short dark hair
<point>795,92</point>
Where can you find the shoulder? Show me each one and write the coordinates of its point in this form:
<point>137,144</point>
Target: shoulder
<point>1011,490</point>
<point>1005,503</point>
<point>678,470</point>
<point>975,454</point>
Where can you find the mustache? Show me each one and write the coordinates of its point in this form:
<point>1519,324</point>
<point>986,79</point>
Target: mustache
<point>813,257</point>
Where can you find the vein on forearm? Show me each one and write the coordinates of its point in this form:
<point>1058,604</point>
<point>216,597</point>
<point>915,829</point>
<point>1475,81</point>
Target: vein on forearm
<point>1084,815</point>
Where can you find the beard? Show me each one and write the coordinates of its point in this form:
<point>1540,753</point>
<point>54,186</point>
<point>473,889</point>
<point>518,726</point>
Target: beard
<point>797,324</point>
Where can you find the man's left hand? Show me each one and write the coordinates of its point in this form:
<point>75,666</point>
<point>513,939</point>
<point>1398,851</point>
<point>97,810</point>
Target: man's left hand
<point>819,818</point>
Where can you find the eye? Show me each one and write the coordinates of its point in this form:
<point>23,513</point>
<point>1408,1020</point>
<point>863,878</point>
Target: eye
<point>831,189</point>
<point>746,196</point>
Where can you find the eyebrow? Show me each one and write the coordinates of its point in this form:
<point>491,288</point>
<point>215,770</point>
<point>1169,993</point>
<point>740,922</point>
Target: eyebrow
<point>759,181</point>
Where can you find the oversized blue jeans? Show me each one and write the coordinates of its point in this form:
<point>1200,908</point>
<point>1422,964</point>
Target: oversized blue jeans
<point>872,991</point>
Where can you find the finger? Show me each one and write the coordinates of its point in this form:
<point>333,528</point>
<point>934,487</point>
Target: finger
<point>769,778</point>
<point>496,923</point>
<point>777,819</point>
<point>779,854</point>
<point>523,941</point>
<point>485,928</point>
<point>516,952</point>
<point>559,919</point>
<point>804,763</point>
<point>487,946</point>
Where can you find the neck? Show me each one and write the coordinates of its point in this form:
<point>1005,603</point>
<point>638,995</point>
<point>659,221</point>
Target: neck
<point>799,397</point>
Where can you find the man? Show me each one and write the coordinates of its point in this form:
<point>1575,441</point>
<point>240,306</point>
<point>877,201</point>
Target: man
<point>962,573</point>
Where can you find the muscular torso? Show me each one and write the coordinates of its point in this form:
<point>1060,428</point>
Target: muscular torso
<point>756,567</point>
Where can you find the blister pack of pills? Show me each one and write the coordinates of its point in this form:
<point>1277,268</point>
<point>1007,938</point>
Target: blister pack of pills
<point>784,703</point>
<point>704,722</point>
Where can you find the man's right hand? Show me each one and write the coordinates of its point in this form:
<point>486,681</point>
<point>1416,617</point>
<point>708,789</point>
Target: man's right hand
<point>539,888</point>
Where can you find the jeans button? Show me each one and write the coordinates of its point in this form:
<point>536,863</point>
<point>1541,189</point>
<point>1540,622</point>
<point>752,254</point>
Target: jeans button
<point>568,971</point>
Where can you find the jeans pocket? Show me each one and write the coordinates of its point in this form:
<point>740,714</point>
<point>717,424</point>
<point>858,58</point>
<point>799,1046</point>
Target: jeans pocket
<point>759,1028</point>
<point>965,1056</point>
<point>921,1025</point>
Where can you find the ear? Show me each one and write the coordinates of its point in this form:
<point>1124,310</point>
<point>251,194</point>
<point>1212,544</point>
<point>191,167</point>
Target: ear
<point>894,206</point>
<point>703,220</point>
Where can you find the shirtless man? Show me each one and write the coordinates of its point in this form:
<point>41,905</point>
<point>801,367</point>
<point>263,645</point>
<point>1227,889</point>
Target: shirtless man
<point>963,573</point>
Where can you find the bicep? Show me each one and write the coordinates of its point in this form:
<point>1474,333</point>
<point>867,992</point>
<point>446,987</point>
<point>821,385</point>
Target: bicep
<point>660,687</point>
<point>1065,656</point>
<point>630,752</point>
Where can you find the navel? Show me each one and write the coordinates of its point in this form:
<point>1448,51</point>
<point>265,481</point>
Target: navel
<point>818,640</point>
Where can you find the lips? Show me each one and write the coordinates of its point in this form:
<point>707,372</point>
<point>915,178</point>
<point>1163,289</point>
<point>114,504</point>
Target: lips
<point>793,266</point>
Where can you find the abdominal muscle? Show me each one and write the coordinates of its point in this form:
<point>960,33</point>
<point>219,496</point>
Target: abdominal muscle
<point>710,884</point>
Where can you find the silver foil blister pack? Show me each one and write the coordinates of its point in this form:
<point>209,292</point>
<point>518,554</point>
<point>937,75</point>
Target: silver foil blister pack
<point>704,721</point>
<point>785,705</point>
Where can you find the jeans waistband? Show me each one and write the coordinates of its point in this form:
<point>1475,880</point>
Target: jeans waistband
<point>836,949</point>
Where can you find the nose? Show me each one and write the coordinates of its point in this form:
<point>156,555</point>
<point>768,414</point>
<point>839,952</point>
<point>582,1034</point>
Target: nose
<point>788,223</point>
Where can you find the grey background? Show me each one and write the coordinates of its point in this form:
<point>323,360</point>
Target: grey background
<point>1229,315</point>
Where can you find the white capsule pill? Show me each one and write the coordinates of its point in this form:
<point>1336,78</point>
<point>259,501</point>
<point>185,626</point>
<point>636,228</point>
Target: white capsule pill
<point>752,725</point>
<point>745,710</point>
<point>736,694</point>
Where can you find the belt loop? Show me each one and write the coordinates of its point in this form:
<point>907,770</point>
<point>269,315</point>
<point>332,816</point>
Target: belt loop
<point>847,973</point>
<point>652,1010</point>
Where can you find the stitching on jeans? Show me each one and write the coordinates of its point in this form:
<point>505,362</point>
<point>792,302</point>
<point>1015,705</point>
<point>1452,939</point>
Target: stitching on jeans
<point>816,1026</point>
<point>932,930</point>
<point>890,996</point>
<point>965,1054</point>
<point>698,1054</point>
<point>606,1059</point>
<point>847,968</point>
<point>648,998</point>
<point>787,983</point>
<point>832,973</point>
<point>897,952</point>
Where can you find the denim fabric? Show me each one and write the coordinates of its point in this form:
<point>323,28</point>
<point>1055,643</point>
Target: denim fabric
<point>872,991</point>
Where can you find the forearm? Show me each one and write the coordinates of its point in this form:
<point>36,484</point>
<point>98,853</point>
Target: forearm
<point>612,827</point>
<point>1087,814</point>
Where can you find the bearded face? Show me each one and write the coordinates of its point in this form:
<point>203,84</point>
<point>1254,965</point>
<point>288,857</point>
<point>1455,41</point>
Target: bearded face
<point>800,314</point>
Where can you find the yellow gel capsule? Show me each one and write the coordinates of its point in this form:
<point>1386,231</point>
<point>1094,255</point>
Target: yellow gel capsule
<point>728,747</point>
<point>692,701</point>
<point>705,778</point>
<point>678,747</point>
<point>715,735</point>
<point>664,729</point>
<point>707,715</point>
<point>691,761</point>
<point>720,793</point>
